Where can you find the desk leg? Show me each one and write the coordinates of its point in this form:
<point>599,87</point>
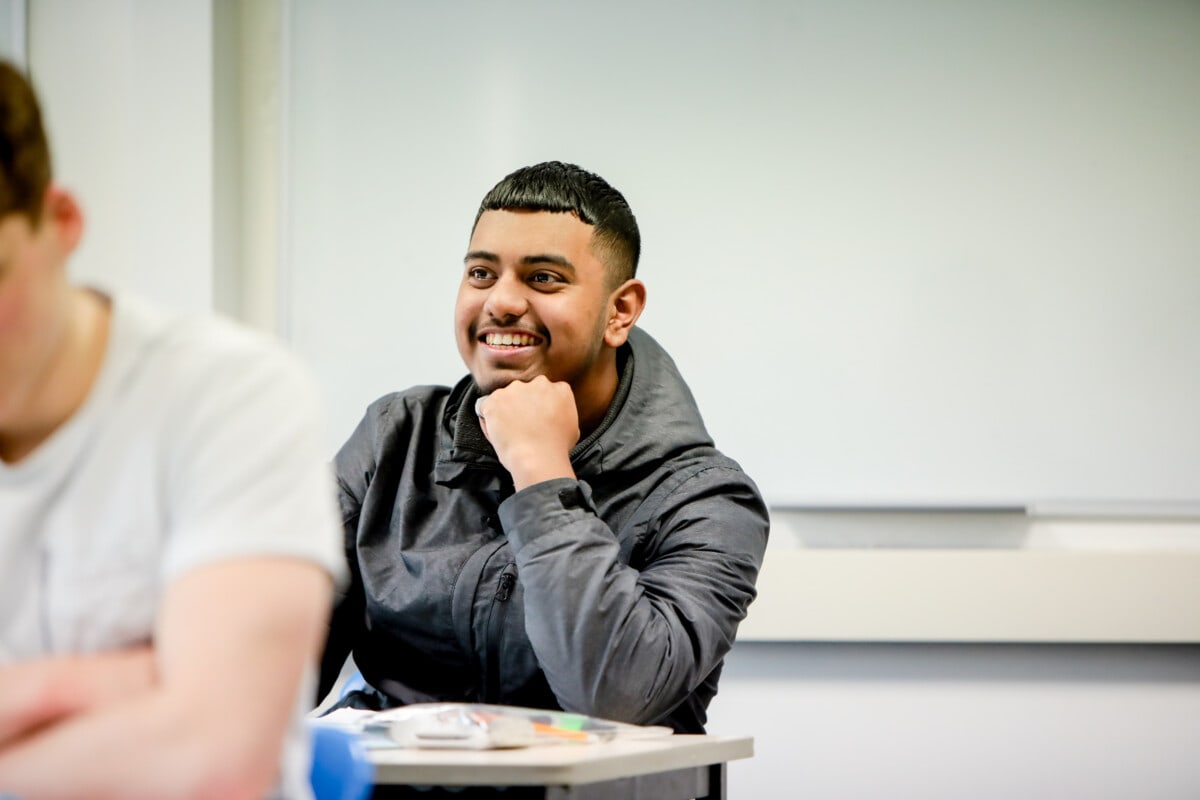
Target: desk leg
<point>679,784</point>
<point>716,782</point>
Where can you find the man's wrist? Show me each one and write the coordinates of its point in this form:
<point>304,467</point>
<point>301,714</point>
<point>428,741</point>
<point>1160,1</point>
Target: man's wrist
<point>540,469</point>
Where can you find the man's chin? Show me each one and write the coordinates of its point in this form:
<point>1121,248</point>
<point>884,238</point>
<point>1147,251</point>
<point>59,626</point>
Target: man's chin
<point>490,381</point>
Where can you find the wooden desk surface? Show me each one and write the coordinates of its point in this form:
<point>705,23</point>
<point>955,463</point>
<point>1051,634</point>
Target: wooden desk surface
<point>558,764</point>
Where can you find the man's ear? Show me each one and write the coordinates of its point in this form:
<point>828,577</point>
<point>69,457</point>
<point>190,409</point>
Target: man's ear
<point>61,210</point>
<point>625,305</point>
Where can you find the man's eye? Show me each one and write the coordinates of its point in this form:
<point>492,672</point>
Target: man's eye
<point>478,274</point>
<point>543,277</point>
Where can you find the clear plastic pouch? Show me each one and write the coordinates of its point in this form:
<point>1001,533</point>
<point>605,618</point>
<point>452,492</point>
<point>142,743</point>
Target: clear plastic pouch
<point>476,726</point>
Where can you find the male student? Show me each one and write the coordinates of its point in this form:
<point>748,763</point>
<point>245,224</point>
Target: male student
<point>167,526</point>
<point>557,530</point>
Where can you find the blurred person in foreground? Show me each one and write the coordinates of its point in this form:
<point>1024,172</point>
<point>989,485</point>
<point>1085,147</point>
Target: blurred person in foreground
<point>168,541</point>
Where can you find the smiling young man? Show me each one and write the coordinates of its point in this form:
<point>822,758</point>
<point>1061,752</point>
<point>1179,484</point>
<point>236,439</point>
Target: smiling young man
<point>167,530</point>
<point>557,530</point>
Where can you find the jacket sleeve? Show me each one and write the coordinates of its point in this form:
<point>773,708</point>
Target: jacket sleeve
<point>629,644</point>
<point>354,466</point>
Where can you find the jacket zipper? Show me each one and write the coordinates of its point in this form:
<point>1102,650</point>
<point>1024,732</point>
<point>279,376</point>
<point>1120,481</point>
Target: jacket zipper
<point>504,587</point>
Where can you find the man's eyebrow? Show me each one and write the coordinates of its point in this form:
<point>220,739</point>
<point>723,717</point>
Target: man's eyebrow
<point>548,258</point>
<point>528,261</point>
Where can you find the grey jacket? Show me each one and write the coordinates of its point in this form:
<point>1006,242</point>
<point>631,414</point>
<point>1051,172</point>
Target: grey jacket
<point>615,595</point>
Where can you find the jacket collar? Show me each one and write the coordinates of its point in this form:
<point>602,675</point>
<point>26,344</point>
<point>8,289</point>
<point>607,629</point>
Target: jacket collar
<point>652,414</point>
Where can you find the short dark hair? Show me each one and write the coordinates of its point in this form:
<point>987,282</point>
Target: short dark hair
<point>24,151</point>
<point>555,186</point>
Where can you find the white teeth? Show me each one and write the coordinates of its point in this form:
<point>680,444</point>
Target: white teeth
<point>509,339</point>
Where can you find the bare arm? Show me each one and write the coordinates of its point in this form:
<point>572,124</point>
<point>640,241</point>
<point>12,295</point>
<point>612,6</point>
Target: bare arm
<point>37,693</point>
<point>231,645</point>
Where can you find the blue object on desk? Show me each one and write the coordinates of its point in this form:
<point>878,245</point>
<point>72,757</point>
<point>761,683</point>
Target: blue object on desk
<point>353,683</point>
<point>340,768</point>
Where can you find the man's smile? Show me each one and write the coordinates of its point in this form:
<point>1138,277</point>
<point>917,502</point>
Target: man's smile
<point>510,339</point>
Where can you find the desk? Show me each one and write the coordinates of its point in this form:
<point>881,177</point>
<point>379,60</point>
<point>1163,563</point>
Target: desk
<point>671,768</point>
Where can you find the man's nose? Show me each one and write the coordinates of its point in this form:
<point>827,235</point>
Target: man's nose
<point>507,298</point>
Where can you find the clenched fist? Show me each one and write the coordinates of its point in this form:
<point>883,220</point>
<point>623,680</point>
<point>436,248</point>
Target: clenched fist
<point>532,425</point>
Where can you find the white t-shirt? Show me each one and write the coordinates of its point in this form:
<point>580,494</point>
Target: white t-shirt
<point>199,441</point>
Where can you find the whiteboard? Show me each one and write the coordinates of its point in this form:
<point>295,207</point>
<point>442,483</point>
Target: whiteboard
<point>918,254</point>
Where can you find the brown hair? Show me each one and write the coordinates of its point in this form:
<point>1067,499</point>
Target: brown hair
<point>24,152</point>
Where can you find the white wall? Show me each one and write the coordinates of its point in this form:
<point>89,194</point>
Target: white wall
<point>12,30</point>
<point>831,720</point>
<point>127,90</point>
<point>948,722</point>
<point>926,661</point>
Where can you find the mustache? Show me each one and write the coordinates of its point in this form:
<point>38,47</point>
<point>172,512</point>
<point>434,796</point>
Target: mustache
<point>481,327</point>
